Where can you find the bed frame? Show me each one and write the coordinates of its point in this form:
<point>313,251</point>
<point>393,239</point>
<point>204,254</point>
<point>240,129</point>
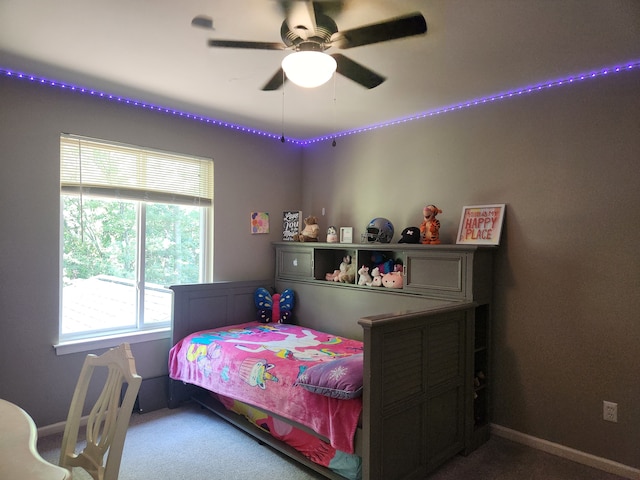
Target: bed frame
<point>417,407</point>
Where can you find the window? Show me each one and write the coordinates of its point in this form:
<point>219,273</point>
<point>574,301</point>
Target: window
<point>134,221</point>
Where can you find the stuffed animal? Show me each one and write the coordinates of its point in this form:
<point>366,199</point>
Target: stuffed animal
<point>343,271</point>
<point>398,266</point>
<point>347,271</point>
<point>430,227</point>
<point>376,278</point>
<point>332,235</point>
<point>364,278</point>
<point>392,280</point>
<point>309,232</point>
<point>274,308</point>
<point>381,261</point>
<point>333,276</point>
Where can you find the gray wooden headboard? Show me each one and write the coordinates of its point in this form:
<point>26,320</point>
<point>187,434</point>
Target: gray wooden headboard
<point>212,305</point>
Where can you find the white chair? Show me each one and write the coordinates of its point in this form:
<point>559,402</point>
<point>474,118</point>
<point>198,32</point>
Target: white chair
<point>109,418</point>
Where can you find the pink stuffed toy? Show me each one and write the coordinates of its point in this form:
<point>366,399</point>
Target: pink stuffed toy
<point>392,280</point>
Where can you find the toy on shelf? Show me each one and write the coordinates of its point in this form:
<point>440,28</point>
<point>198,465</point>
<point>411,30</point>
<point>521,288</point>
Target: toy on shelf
<point>376,278</point>
<point>309,232</point>
<point>346,273</point>
<point>364,276</point>
<point>392,280</point>
<point>332,234</point>
<point>384,263</point>
<point>430,227</point>
<point>333,276</point>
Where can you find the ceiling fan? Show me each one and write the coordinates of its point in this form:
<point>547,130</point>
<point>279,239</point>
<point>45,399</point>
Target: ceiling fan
<point>307,28</point>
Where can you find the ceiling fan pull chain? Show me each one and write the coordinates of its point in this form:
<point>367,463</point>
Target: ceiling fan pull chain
<point>282,139</point>
<point>333,143</point>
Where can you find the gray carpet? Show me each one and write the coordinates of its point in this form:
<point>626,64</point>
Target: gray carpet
<point>190,442</point>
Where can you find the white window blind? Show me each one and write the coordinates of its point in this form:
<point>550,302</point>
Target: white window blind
<point>101,168</point>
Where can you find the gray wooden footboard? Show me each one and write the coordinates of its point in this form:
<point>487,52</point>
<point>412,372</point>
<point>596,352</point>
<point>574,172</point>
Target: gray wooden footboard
<point>415,390</point>
<point>416,371</point>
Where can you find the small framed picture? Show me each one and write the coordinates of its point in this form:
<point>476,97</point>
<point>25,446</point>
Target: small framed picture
<point>259,223</point>
<point>346,234</point>
<point>481,224</point>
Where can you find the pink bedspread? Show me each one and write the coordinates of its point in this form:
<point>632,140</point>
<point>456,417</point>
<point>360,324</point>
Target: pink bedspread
<point>259,363</point>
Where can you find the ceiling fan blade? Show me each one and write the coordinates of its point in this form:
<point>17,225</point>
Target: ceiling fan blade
<point>243,44</point>
<point>357,72</point>
<point>276,81</point>
<point>329,7</point>
<point>399,27</point>
<point>203,21</point>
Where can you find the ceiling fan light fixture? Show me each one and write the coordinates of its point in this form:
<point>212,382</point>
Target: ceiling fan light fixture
<point>309,69</point>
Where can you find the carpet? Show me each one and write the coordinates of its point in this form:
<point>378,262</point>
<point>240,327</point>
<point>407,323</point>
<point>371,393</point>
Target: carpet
<point>191,442</point>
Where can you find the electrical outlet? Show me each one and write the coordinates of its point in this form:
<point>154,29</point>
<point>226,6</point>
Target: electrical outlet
<point>610,411</point>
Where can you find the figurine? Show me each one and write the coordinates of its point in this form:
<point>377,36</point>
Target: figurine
<point>430,227</point>
<point>332,235</point>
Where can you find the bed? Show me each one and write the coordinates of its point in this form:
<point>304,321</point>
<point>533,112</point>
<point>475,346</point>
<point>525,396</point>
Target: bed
<point>415,402</point>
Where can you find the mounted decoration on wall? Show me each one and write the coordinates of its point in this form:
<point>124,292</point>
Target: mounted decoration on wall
<point>481,224</point>
<point>259,222</point>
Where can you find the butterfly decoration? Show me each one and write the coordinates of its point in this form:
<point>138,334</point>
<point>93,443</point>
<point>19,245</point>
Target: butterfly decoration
<point>274,308</point>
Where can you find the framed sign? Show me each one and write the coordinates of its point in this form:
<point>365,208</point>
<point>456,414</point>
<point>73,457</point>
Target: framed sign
<point>346,234</point>
<point>481,224</point>
<point>291,225</point>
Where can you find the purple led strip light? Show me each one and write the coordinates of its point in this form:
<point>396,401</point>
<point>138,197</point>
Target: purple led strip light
<point>468,104</point>
<point>481,101</point>
<point>138,103</point>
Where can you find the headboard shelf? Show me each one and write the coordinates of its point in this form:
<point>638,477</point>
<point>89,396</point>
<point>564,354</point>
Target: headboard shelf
<point>451,272</point>
<point>434,277</point>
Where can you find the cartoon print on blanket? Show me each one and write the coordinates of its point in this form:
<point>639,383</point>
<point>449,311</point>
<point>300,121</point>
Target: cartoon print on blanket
<point>260,363</point>
<point>288,346</point>
<point>255,371</point>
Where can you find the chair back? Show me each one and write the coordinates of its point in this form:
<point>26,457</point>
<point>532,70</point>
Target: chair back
<point>109,417</point>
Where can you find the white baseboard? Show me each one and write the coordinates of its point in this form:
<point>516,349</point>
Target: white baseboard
<point>566,452</point>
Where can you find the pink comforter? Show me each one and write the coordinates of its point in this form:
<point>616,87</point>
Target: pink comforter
<point>259,363</point>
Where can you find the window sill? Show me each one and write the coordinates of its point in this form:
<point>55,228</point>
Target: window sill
<point>91,344</point>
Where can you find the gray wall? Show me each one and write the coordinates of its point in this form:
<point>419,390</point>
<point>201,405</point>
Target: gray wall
<point>566,162</point>
<point>249,175</point>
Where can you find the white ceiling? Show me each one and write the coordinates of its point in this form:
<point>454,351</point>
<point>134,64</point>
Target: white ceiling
<point>147,50</point>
